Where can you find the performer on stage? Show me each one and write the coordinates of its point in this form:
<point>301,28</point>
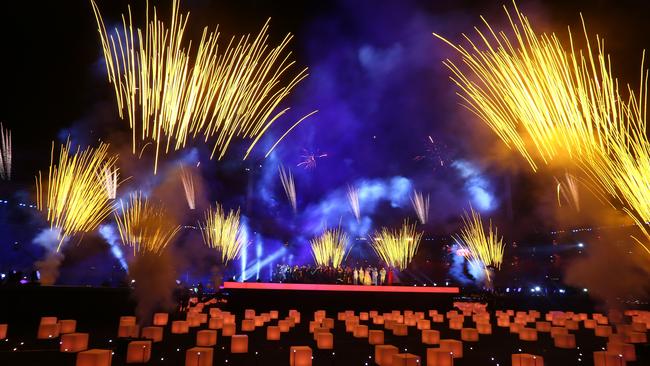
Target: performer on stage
<point>375,276</point>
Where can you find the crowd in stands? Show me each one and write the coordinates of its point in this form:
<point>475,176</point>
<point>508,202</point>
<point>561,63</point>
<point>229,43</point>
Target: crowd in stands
<point>370,276</point>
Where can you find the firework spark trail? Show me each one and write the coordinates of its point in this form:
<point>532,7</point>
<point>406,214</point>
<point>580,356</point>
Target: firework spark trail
<point>540,99</point>
<point>110,176</point>
<point>75,198</point>
<point>309,159</point>
<point>223,232</point>
<point>143,225</point>
<point>289,186</point>
<point>187,179</point>
<point>5,153</point>
<point>397,248</point>
<point>421,206</point>
<point>482,247</point>
<point>331,248</point>
<point>623,171</point>
<point>169,94</point>
<point>353,200</point>
<point>568,189</point>
<point>546,103</point>
<point>433,151</point>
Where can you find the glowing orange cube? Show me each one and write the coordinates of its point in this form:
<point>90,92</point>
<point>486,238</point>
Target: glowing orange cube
<point>180,327</point>
<point>300,356</point>
<point>528,334</point>
<point>384,354</point>
<point>67,326</point>
<point>603,330</point>
<point>160,319</point>
<point>128,331</point>
<point>215,323</point>
<point>73,342</point>
<point>405,359</point>
<point>484,328</point>
<point>48,331</point>
<point>452,345</point>
<point>400,330</point>
<point>154,334</point>
<point>273,333</point>
<point>544,327</point>
<point>604,358</point>
<point>430,336</point>
<point>324,340</point>
<point>228,330</point>
<point>423,324</point>
<point>248,325</point>
<point>439,357</point>
<point>239,343</point>
<point>206,338</point>
<point>566,341</point>
<point>625,349</point>
<point>138,352</point>
<point>283,325</point>
<point>469,335</point>
<point>127,320</point>
<point>199,356</point>
<point>525,359</point>
<point>360,331</point>
<point>94,357</point>
<point>376,337</point>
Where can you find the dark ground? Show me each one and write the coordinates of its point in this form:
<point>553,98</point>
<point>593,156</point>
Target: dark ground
<point>97,311</point>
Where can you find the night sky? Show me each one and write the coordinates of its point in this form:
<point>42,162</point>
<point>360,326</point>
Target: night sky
<point>376,77</point>
<point>53,76</point>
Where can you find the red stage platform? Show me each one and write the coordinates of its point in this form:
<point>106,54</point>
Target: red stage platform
<point>350,288</point>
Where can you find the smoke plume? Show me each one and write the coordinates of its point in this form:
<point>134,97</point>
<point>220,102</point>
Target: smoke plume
<point>49,266</point>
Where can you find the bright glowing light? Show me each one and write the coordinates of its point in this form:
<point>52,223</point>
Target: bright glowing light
<point>397,247</point>
<point>110,176</point>
<point>171,90</point>
<point>353,200</point>
<point>5,153</point>
<point>483,247</point>
<point>421,206</point>
<point>551,103</point>
<point>540,99</point>
<point>75,200</point>
<point>253,269</point>
<point>289,186</point>
<point>568,189</point>
<point>187,179</point>
<point>621,173</point>
<point>331,248</point>
<point>144,225</point>
<point>223,232</point>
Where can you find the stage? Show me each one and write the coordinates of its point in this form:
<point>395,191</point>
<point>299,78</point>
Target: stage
<point>311,297</point>
<point>339,288</point>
